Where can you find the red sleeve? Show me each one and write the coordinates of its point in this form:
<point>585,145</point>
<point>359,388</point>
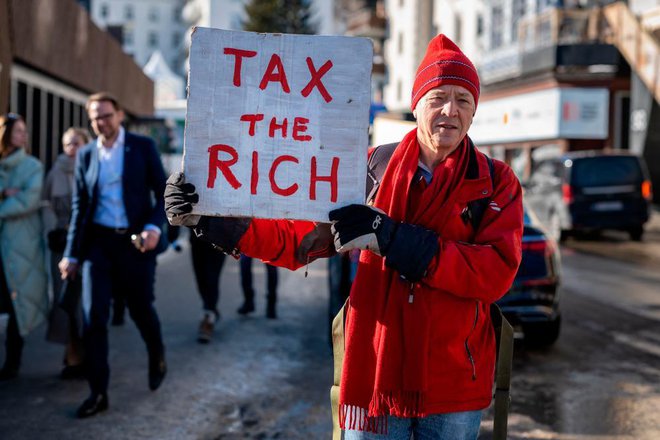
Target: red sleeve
<point>276,241</point>
<point>484,270</point>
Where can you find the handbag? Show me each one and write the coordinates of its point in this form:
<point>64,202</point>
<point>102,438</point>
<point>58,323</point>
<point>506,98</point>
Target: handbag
<point>70,296</point>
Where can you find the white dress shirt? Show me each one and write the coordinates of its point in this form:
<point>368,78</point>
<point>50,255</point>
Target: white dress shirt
<point>110,210</point>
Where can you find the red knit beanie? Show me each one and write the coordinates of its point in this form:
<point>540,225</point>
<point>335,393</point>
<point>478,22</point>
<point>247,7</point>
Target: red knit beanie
<point>444,63</point>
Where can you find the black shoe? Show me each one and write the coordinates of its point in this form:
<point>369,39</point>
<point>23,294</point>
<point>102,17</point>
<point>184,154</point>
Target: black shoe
<point>247,307</point>
<point>8,373</point>
<point>73,372</point>
<point>94,404</point>
<point>157,371</point>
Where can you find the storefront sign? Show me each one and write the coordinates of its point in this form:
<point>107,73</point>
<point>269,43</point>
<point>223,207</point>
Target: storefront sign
<point>571,113</point>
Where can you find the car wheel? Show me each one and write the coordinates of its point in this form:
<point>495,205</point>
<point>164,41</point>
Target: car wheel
<point>542,334</point>
<point>636,233</point>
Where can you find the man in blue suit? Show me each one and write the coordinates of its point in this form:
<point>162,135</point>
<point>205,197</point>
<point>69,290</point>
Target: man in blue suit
<point>118,192</point>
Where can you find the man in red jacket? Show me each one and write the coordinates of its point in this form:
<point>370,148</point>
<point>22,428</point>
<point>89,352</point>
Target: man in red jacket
<point>420,347</point>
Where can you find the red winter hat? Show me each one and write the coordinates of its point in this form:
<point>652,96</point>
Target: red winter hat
<point>444,63</point>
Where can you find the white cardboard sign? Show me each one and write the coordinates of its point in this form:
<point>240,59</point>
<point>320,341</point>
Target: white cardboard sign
<point>277,124</point>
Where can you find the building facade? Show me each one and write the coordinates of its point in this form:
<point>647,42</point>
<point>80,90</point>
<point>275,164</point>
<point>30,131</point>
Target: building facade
<point>555,75</point>
<point>144,27</point>
<point>47,79</point>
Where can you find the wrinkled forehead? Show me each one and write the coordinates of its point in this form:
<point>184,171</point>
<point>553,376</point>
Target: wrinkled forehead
<point>449,89</point>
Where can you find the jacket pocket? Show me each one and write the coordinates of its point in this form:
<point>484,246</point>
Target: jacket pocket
<point>468,352</point>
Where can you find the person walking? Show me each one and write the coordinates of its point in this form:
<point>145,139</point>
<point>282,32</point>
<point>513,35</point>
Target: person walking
<point>58,192</point>
<point>248,291</point>
<point>23,277</point>
<point>419,342</point>
<point>118,193</point>
<point>207,264</point>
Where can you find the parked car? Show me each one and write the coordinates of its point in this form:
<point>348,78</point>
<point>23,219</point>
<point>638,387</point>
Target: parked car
<point>532,303</point>
<point>591,191</point>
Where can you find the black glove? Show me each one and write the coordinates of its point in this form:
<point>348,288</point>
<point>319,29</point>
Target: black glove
<point>179,199</point>
<point>361,227</point>
<point>407,248</point>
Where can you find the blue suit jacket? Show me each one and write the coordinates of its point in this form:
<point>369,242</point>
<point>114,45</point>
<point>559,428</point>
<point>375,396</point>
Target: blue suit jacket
<point>143,182</point>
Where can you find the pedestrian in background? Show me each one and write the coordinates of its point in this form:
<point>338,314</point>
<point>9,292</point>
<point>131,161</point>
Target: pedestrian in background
<point>207,264</point>
<point>23,277</point>
<point>419,343</point>
<point>248,291</point>
<point>58,192</point>
<point>118,193</point>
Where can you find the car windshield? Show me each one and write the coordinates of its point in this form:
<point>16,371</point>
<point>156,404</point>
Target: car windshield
<point>606,171</point>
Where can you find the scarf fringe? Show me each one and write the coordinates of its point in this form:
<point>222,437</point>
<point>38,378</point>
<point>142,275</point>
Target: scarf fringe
<point>406,404</point>
<point>358,419</point>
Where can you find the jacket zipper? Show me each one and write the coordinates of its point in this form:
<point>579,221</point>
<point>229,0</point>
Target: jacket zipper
<point>467,347</point>
<point>411,293</point>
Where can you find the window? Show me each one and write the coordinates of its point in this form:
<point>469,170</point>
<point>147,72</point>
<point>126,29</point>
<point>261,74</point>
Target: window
<point>399,90</point>
<point>128,37</point>
<point>152,39</point>
<point>400,43</point>
<point>153,15</point>
<point>497,17</point>
<point>104,11</point>
<point>517,12</point>
<point>480,25</point>
<point>128,12</point>
<point>176,40</point>
<point>458,28</point>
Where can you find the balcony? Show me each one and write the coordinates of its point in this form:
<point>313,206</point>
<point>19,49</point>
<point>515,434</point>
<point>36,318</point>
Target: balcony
<point>559,40</point>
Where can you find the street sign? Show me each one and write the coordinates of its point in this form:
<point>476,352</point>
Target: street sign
<point>277,124</point>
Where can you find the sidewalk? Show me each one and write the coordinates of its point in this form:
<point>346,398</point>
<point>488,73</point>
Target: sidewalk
<point>258,378</point>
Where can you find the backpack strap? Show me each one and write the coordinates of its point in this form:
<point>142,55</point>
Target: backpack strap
<point>476,208</point>
<point>376,166</point>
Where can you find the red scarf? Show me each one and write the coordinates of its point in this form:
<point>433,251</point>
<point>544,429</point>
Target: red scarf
<point>385,366</point>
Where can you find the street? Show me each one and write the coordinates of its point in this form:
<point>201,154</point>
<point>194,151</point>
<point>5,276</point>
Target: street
<point>265,379</point>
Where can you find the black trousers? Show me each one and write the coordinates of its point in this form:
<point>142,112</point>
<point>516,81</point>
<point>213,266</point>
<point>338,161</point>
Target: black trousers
<point>207,264</point>
<point>115,267</point>
<point>246,280</point>
<point>14,340</point>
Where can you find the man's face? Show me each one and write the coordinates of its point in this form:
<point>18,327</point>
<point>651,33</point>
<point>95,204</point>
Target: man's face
<point>105,119</point>
<point>444,115</point>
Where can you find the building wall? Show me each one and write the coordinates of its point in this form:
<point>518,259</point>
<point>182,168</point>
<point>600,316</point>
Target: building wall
<point>53,57</point>
<point>5,55</point>
<point>58,38</point>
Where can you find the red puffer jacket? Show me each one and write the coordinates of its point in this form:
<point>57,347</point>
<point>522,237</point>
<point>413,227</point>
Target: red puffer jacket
<point>471,270</point>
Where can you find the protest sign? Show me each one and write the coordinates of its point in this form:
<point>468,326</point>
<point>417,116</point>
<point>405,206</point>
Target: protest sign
<point>277,124</point>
